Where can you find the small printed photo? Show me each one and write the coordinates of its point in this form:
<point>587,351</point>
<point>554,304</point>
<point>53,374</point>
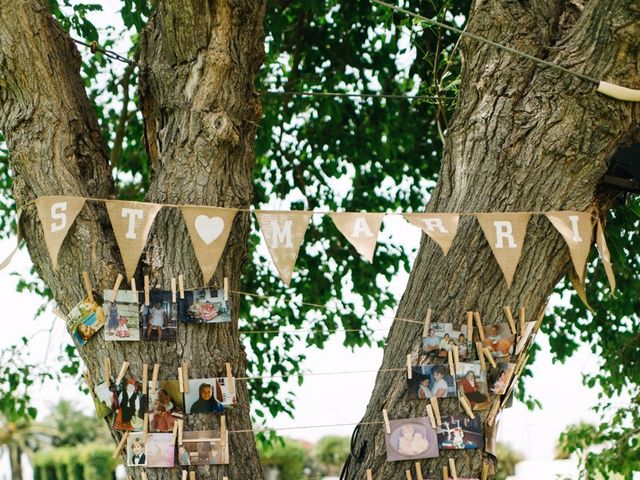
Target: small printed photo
<point>471,381</point>
<point>431,381</point>
<point>441,340</point>
<point>136,450</point>
<point>104,395</point>
<point>459,432</point>
<point>499,340</point>
<point>500,377</point>
<point>203,448</point>
<point>164,403</point>
<point>122,316</point>
<point>159,319</point>
<point>411,439</point>
<point>85,319</point>
<point>130,406</point>
<point>205,306</point>
<point>490,438</point>
<point>161,450</point>
<point>210,395</point>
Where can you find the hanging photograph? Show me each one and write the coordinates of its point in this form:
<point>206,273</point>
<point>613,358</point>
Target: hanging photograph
<point>159,319</point>
<point>431,381</point>
<point>130,406</point>
<point>442,338</point>
<point>411,439</point>
<point>499,340</point>
<point>459,432</point>
<point>500,377</point>
<point>203,448</point>
<point>122,316</point>
<point>105,397</point>
<point>210,395</point>
<point>85,319</point>
<point>471,381</point>
<point>136,450</point>
<point>164,405</point>
<point>161,450</point>
<point>205,306</point>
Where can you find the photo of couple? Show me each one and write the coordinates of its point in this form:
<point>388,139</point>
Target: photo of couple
<point>442,338</point>
<point>431,381</point>
<point>410,439</point>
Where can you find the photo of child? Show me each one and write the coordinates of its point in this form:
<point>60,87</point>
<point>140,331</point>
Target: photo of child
<point>471,381</point>
<point>130,406</point>
<point>410,439</point>
<point>431,381</point>
<point>499,340</point>
<point>459,432</point>
<point>164,404</point>
<point>209,395</point>
<point>203,448</point>
<point>85,319</point>
<point>205,306</point>
<point>136,450</point>
<point>161,450</point>
<point>441,340</point>
<point>159,319</point>
<point>500,377</point>
<point>105,398</point>
<point>122,323</point>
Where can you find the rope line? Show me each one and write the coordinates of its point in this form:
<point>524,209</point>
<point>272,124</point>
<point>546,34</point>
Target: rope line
<point>266,429</point>
<point>319,374</point>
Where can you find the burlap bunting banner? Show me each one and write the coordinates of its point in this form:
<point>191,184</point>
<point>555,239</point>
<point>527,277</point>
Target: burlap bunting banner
<point>361,229</point>
<point>57,214</point>
<point>209,230</point>
<point>441,227</point>
<point>577,230</point>
<point>283,232</point>
<point>131,222</point>
<point>605,256</point>
<point>505,233</point>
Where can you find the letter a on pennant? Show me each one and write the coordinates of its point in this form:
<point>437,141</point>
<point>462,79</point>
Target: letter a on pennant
<point>505,233</point>
<point>209,230</point>
<point>131,222</point>
<point>57,214</point>
<point>283,232</point>
<point>441,227</point>
<point>361,229</point>
<point>577,230</point>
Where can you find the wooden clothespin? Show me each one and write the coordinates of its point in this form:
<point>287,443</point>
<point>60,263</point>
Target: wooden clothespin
<point>123,370</point>
<point>479,349</point>
<point>427,324</point>
<point>456,357</point>
<point>445,473</point>
<point>452,368</point>
<point>181,379</point>
<point>175,431</point>
<point>181,286</point>
<point>522,318</point>
<point>493,412</point>
<point>143,475</point>
<point>225,284</point>
<point>154,378</point>
<point>147,300</point>
<point>436,410</point>
<point>509,315</point>
<point>418,471</point>
<point>432,418</point>
<point>185,376</point>
<point>489,357</point>
<point>466,406</point>
<point>409,369</point>
<point>536,326</point>
<point>476,316</point>
<point>369,474</point>
<point>452,467</point>
<point>87,286</point>
<point>121,444</point>
<point>107,369</point>
<point>223,431</point>
<point>192,475</point>
<point>469,326</point>
<point>485,472</point>
<point>185,475</point>
<point>225,478</point>
<point>407,473</point>
<point>116,287</point>
<point>230,383</point>
<point>180,423</point>
<point>145,428</point>
<point>145,378</point>
<point>174,292</point>
<point>385,416</point>
<point>134,290</point>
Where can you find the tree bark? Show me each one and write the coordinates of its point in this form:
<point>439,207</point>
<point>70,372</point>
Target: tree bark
<point>197,68</point>
<point>523,138</point>
<point>15,460</point>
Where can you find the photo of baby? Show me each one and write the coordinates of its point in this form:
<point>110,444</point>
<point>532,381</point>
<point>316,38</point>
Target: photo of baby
<point>130,406</point>
<point>161,450</point>
<point>85,319</point>
<point>203,448</point>
<point>164,404</point>
<point>499,340</point>
<point>122,322</point>
<point>500,377</point>
<point>159,319</point>
<point>136,450</point>
<point>471,381</point>
<point>431,381</point>
<point>441,340</point>
<point>459,432</point>
<point>210,395</point>
<point>205,306</point>
<point>410,439</point>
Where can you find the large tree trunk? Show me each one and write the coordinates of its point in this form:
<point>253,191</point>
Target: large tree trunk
<point>524,138</point>
<point>198,63</point>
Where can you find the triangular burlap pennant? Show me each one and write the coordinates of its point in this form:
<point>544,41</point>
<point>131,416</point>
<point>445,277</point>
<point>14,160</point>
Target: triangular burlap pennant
<point>283,232</point>
<point>209,230</point>
<point>131,222</point>
<point>361,229</point>
<point>577,230</point>
<point>57,214</point>
<point>505,233</point>
<point>441,227</point>
<point>605,256</point>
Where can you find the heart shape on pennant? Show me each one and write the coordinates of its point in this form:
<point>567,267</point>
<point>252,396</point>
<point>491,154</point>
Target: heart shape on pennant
<point>209,228</point>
